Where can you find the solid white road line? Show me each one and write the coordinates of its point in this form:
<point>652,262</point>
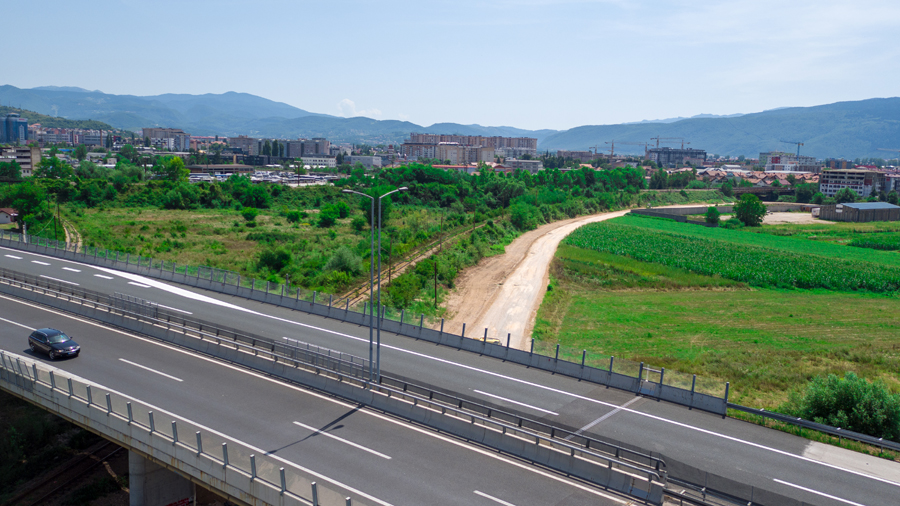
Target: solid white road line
<point>498,501</point>
<point>174,309</point>
<point>16,323</point>
<point>13,256</point>
<point>39,263</point>
<point>60,280</point>
<point>138,284</point>
<point>342,440</point>
<point>274,381</point>
<point>604,417</point>
<point>529,406</point>
<point>102,276</point>
<point>811,491</point>
<point>70,269</point>
<point>151,370</point>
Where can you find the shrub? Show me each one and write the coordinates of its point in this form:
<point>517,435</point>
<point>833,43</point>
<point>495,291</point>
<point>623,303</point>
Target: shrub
<point>327,219</point>
<point>293,216</point>
<point>274,259</point>
<point>712,215</point>
<point>359,223</point>
<point>249,213</point>
<point>345,260</point>
<point>733,223</point>
<point>851,403</point>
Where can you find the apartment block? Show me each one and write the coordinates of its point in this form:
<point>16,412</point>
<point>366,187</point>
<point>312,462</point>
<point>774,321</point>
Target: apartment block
<point>28,158</point>
<point>863,182</point>
<point>247,145</point>
<point>532,166</point>
<point>672,157</point>
<point>780,161</point>
<point>366,161</point>
<point>428,146</point>
<point>180,141</point>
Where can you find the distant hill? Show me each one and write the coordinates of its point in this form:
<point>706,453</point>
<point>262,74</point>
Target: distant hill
<point>51,122</point>
<point>844,129</point>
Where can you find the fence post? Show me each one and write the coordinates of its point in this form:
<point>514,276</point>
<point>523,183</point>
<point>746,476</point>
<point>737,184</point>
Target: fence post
<point>315,493</point>
<point>662,374</point>
<point>725,404</point>
<point>199,444</point>
<point>442,328</point>
<point>152,425</point>
<point>557,353</point>
<point>252,467</point>
<point>52,381</point>
<point>693,384</point>
<point>224,454</point>
<point>421,322</point>
<point>283,482</point>
<point>130,414</point>
<point>108,404</point>
<point>90,398</point>
<point>314,297</point>
<point>531,351</point>
<point>402,314</point>
<point>330,300</point>
<point>71,391</point>
<point>640,376</point>
<point>583,356</point>
<point>464,331</point>
<point>174,433</point>
<point>508,335</point>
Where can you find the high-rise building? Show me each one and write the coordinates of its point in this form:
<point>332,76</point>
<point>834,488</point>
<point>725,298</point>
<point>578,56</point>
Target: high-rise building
<point>247,145</point>
<point>428,146</point>
<point>672,157</point>
<point>780,161</point>
<point>14,130</point>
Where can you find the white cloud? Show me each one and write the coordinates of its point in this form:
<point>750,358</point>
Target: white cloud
<point>348,109</point>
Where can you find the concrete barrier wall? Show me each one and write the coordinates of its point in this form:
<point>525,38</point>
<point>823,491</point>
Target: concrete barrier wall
<point>534,360</point>
<point>540,454</point>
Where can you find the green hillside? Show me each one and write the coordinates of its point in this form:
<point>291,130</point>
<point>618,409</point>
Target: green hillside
<point>52,122</point>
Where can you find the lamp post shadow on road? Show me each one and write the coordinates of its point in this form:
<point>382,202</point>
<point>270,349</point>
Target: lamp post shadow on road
<point>372,310</point>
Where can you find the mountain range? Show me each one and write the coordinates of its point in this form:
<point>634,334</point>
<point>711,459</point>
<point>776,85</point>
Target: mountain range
<point>844,129</point>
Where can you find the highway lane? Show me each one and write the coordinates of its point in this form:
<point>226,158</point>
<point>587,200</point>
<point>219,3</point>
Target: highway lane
<point>730,448</point>
<point>393,461</point>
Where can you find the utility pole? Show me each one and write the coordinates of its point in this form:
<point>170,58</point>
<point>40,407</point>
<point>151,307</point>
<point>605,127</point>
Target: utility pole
<point>435,282</point>
<point>390,258</point>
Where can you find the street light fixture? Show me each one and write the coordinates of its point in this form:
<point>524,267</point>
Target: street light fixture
<point>371,274</point>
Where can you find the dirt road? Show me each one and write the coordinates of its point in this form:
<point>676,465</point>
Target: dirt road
<point>503,293</point>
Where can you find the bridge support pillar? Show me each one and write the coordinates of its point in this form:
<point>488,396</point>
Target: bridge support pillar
<point>153,485</point>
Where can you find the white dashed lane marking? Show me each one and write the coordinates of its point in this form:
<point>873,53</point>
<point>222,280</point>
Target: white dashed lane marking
<point>13,256</point>
<point>70,269</point>
<point>102,276</point>
<point>39,263</point>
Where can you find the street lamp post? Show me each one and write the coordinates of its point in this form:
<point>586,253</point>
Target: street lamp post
<point>371,275</point>
<point>378,327</point>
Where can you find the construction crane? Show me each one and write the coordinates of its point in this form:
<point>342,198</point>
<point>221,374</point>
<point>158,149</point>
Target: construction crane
<point>657,139</point>
<point>794,142</point>
<point>612,146</point>
<point>594,148</point>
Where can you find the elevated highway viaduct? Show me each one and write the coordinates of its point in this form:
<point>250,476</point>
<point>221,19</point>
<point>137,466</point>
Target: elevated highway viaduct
<point>701,444</point>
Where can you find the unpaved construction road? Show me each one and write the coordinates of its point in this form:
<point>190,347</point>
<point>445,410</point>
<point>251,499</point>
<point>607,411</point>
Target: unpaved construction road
<point>503,293</point>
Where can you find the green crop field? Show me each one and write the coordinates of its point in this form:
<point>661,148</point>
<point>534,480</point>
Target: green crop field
<point>757,259</point>
<point>766,342</point>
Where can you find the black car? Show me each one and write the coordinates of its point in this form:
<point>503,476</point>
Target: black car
<point>54,343</point>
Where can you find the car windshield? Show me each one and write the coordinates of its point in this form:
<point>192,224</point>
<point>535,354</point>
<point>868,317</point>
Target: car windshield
<point>58,338</point>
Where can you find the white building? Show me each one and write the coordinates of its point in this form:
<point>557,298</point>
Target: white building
<point>319,161</point>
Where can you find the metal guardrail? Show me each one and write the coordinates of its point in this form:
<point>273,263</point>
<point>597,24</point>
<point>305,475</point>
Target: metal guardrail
<point>652,468</point>
<point>294,488</point>
<point>826,429</point>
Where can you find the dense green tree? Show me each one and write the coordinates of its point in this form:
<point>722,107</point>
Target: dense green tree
<point>54,168</point>
<point>10,171</point>
<point>712,215</point>
<point>659,180</point>
<point>80,152</point>
<point>345,260</point>
<point>726,189</point>
<point>172,169</point>
<point>750,210</point>
<point>891,197</point>
<point>845,195</point>
<point>267,148</point>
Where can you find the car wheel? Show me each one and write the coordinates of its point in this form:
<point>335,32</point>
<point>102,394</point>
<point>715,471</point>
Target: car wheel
<point>51,355</point>
<point>31,345</point>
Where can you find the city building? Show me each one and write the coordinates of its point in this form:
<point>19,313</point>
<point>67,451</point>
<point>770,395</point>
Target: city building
<point>582,156</point>
<point>93,138</point>
<point>428,146</point>
<point>514,152</point>
<point>8,215</point>
<point>673,157</point>
<point>366,161</point>
<point>169,138</point>
<point>319,161</point>
<point>14,130</point>
<point>532,166</point>
<point>780,161</point>
<point>863,182</point>
<point>316,146</point>
<point>247,145</point>
<point>27,157</point>
<point>462,155</point>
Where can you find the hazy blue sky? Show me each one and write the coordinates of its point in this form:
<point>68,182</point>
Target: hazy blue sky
<point>525,63</point>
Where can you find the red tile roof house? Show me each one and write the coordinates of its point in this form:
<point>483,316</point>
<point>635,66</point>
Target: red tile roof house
<point>8,215</point>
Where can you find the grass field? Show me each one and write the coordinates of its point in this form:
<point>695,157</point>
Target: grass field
<point>766,342</point>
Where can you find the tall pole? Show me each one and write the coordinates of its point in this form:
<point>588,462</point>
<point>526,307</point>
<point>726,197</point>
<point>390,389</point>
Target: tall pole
<point>371,279</point>
<point>378,320</point>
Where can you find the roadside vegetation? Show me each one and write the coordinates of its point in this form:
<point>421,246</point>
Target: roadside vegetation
<point>791,320</point>
<point>317,237</point>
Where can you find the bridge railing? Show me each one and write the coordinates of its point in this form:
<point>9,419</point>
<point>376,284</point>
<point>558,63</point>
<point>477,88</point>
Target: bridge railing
<point>543,442</point>
<point>170,440</point>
